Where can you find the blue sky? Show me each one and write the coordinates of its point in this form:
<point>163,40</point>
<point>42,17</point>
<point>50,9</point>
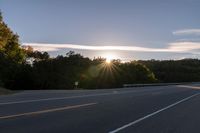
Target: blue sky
<point>125,29</point>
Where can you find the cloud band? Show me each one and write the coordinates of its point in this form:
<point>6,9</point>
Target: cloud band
<point>172,47</point>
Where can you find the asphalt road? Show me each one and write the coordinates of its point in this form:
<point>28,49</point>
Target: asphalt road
<point>155,109</point>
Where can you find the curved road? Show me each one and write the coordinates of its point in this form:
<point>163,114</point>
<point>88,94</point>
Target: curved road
<point>155,109</point>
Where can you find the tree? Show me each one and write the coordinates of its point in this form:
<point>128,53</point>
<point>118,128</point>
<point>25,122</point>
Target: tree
<point>11,54</point>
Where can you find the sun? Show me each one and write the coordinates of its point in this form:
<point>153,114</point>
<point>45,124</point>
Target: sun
<point>108,66</point>
<point>109,58</point>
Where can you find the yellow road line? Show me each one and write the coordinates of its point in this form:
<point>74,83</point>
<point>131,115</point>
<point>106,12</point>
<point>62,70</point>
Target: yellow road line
<point>46,111</point>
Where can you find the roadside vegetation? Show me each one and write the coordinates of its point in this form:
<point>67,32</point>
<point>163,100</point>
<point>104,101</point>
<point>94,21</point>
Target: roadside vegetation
<point>23,68</point>
<point>4,91</point>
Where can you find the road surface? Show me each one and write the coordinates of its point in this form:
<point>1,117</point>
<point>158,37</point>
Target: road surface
<point>155,109</point>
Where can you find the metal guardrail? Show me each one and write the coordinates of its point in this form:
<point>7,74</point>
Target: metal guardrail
<point>157,84</point>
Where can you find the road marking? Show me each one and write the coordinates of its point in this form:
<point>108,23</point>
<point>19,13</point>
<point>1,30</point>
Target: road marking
<point>50,99</point>
<point>152,114</point>
<point>82,96</point>
<point>187,86</point>
<point>47,111</point>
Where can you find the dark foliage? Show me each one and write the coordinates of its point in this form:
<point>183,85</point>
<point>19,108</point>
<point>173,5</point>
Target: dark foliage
<point>186,70</point>
<point>63,72</point>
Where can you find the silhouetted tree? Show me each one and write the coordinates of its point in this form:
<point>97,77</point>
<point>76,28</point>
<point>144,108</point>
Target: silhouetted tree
<point>11,55</point>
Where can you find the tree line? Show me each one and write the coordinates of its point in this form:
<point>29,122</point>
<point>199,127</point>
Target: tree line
<point>185,70</point>
<point>23,68</point>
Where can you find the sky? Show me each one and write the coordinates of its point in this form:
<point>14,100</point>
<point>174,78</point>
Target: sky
<point>123,29</point>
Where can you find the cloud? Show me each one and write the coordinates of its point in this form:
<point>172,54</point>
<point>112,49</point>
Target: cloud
<point>38,48</point>
<point>184,46</point>
<point>176,47</point>
<point>187,32</point>
<point>55,47</point>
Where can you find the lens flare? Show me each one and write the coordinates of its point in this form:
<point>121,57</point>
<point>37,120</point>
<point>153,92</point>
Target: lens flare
<point>108,61</point>
<point>109,58</point>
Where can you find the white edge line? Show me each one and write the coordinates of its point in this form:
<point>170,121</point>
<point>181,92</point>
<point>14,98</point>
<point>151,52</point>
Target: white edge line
<point>71,97</point>
<point>152,114</point>
<point>57,98</point>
